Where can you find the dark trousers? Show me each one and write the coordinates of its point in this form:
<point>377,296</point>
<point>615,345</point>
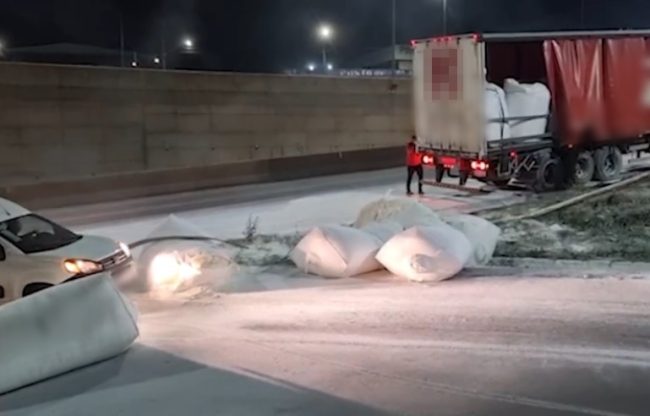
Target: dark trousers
<point>411,171</point>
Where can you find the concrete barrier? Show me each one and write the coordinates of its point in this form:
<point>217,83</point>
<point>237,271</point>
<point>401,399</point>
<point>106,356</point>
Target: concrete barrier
<point>53,194</point>
<point>62,123</point>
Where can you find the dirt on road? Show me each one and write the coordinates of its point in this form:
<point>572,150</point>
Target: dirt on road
<point>613,226</point>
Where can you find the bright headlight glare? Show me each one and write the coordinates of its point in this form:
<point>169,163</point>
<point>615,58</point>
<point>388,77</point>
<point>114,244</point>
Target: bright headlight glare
<point>74,266</point>
<point>125,248</point>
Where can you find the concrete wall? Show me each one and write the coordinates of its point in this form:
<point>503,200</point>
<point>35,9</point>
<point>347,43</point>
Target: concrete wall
<point>61,122</point>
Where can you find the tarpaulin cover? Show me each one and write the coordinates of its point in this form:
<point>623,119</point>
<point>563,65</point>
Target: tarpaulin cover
<point>598,87</point>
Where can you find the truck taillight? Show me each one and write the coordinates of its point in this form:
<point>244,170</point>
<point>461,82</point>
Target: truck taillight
<point>480,165</point>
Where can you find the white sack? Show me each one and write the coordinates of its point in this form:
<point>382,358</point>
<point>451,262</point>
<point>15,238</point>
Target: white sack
<point>527,100</point>
<point>426,254</point>
<point>406,212</point>
<point>482,235</point>
<point>175,227</point>
<point>337,252</point>
<point>383,231</point>
<point>495,107</point>
<point>170,266</point>
<point>175,266</point>
<point>61,329</point>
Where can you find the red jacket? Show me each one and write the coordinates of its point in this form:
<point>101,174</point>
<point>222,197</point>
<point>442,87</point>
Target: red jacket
<point>413,157</point>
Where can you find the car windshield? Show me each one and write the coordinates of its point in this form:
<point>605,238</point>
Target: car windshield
<point>34,234</point>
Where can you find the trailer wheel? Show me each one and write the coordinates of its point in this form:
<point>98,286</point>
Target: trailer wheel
<point>549,175</point>
<point>608,164</point>
<point>585,168</point>
<point>440,173</point>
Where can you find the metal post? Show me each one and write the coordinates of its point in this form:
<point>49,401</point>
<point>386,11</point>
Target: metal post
<point>324,58</point>
<point>122,57</point>
<point>394,37</point>
<point>444,17</point>
<point>163,46</point>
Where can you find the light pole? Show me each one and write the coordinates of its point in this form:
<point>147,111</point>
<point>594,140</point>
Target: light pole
<point>394,37</point>
<point>325,34</point>
<point>2,49</point>
<point>122,58</point>
<point>444,17</point>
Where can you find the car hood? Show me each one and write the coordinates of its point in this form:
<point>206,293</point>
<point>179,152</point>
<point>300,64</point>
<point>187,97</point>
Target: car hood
<point>88,247</point>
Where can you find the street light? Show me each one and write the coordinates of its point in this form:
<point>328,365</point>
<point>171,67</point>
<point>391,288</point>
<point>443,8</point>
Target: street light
<point>325,34</point>
<point>134,64</point>
<point>311,67</point>
<point>330,67</point>
<point>156,60</point>
<point>186,43</point>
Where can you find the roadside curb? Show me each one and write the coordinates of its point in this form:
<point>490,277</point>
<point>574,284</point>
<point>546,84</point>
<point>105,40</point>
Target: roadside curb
<point>638,269</point>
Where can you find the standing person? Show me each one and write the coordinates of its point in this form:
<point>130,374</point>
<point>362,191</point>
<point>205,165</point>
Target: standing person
<point>414,165</point>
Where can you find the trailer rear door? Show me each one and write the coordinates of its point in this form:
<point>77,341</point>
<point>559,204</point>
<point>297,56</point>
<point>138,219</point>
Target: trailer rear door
<point>449,83</point>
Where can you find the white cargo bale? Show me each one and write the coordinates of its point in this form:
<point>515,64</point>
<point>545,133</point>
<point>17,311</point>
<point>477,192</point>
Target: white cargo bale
<point>61,329</point>
<point>176,266</point>
<point>406,212</point>
<point>525,100</point>
<point>337,252</point>
<point>174,226</point>
<point>482,234</point>
<point>426,254</point>
<point>496,108</point>
<point>383,231</point>
<point>170,266</point>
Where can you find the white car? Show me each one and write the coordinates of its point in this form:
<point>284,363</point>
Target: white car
<point>36,253</point>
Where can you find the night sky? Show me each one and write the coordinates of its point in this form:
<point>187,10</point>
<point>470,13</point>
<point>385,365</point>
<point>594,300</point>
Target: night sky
<point>273,35</point>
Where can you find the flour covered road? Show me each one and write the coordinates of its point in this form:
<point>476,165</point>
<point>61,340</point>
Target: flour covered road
<point>492,342</point>
<point>479,346</point>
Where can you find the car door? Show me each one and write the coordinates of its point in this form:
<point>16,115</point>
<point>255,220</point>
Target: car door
<point>20,272</point>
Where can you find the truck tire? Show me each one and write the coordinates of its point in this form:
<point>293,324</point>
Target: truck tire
<point>608,162</point>
<point>585,168</point>
<point>549,175</point>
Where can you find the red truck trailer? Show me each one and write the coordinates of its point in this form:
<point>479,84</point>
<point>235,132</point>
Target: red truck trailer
<point>599,105</point>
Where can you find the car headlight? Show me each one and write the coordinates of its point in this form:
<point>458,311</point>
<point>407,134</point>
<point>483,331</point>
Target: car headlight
<point>125,248</point>
<point>82,267</point>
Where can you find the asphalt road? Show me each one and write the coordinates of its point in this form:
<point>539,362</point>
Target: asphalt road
<point>473,346</point>
<point>281,343</point>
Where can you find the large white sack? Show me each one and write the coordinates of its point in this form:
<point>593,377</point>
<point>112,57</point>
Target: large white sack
<point>176,227</point>
<point>169,266</point>
<point>426,254</point>
<point>527,100</point>
<point>383,231</point>
<point>61,329</point>
<point>406,212</point>
<point>337,252</point>
<point>495,107</point>
<point>482,234</point>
